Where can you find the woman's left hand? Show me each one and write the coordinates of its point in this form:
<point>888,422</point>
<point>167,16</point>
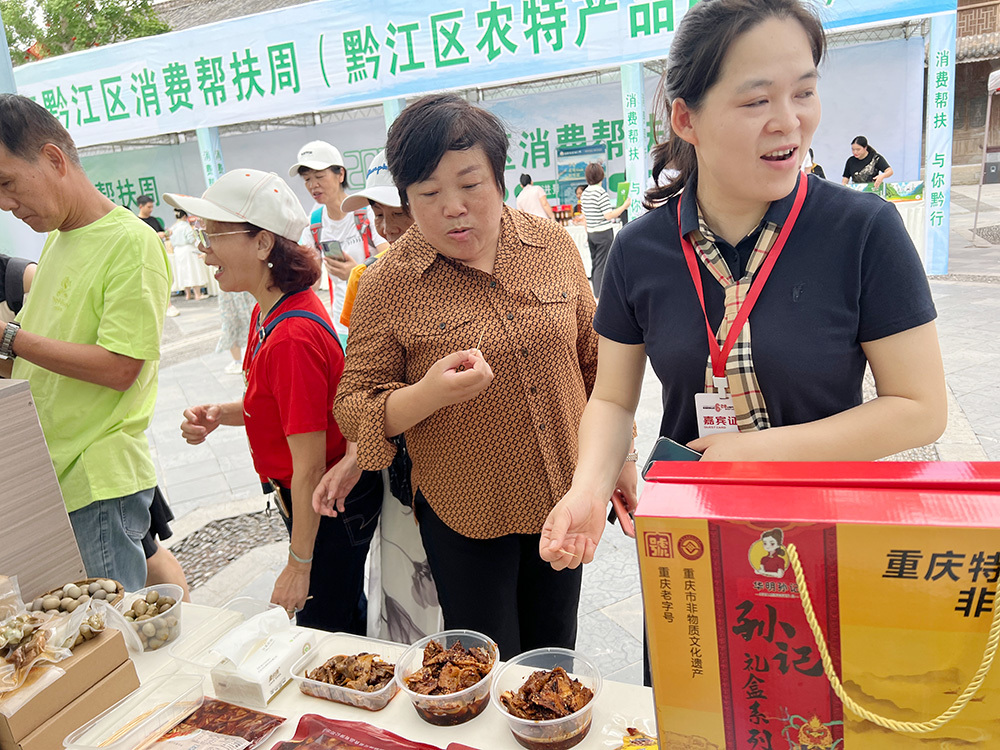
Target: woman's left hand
<point>331,493</point>
<point>340,268</point>
<point>292,587</point>
<point>738,446</point>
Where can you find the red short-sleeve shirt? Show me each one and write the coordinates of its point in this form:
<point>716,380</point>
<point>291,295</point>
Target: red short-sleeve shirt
<point>291,384</point>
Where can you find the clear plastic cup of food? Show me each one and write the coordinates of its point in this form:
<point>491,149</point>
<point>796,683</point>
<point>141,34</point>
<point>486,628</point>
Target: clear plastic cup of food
<point>450,708</point>
<point>548,734</point>
<point>154,614</point>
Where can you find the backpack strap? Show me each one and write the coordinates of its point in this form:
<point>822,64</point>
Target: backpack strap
<point>294,314</point>
<point>316,223</point>
<point>364,227</point>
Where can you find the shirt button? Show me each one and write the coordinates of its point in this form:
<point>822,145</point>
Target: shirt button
<point>524,352</point>
<point>510,316</point>
<point>442,326</point>
<point>541,427</point>
<point>493,284</point>
<point>533,390</point>
<point>564,295</point>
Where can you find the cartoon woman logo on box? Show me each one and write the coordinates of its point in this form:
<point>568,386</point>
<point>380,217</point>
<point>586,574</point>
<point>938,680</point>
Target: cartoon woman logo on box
<point>767,555</point>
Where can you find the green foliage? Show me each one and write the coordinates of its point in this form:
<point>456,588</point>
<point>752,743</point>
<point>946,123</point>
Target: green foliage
<point>55,27</point>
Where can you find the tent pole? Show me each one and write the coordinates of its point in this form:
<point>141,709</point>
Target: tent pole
<point>982,168</point>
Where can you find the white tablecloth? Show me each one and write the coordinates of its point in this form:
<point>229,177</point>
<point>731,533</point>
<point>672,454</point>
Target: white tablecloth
<point>617,706</point>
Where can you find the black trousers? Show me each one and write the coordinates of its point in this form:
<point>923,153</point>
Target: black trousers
<point>600,246</point>
<point>337,579</point>
<point>500,587</point>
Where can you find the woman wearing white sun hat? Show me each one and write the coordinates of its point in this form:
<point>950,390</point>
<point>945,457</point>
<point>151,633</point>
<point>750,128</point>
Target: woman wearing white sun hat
<point>252,223</point>
<point>321,167</point>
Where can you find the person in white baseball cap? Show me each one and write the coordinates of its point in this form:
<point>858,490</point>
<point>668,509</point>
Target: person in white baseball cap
<point>345,238</point>
<point>252,223</point>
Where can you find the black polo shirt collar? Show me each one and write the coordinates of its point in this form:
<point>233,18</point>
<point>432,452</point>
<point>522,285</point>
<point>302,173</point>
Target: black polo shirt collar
<point>777,212</point>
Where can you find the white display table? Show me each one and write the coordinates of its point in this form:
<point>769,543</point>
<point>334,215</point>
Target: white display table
<point>618,705</point>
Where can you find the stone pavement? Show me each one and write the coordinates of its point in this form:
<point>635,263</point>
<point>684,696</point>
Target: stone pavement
<point>231,549</point>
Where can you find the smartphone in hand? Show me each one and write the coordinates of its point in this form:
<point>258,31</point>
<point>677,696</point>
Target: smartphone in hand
<point>666,449</point>
<point>620,512</point>
<point>332,249</point>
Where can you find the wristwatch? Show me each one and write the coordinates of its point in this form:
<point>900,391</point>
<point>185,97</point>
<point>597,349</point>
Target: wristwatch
<point>632,457</point>
<point>7,341</point>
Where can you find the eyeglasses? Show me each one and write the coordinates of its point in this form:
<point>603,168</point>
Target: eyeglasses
<point>204,237</point>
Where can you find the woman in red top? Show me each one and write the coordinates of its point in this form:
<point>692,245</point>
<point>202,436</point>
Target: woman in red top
<point>293,364</point>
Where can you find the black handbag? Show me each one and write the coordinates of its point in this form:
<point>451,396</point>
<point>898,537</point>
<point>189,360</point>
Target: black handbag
<point>399,473</point>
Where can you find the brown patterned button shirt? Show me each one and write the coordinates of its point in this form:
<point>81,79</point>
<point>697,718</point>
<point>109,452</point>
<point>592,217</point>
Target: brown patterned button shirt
<point>497,464</point>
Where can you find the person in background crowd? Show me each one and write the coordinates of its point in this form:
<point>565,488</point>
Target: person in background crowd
<point>252,224</point>
<point>409,600</point>
<point>145,206</point>
<point>847,290</point>
<point>321,167</point>
<point>599,214</point>
<point>187,264</point>
<point>391,220</point>
<point>811,167</point>
<point>87,339</point>
<point>865,164</point>
<point>578,208</point>
<point>472,336</point>
<point>532,200</point>
<point>235,311</point>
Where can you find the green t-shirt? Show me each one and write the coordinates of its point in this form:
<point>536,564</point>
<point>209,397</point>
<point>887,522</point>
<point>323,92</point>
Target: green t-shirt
<point>108,284</point>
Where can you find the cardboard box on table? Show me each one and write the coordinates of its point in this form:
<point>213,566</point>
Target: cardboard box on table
<point>901,561</point>
<point>85,681</point>
<point>37,543</point>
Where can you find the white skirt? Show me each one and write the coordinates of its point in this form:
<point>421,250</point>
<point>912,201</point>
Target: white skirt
<point>188,266</point>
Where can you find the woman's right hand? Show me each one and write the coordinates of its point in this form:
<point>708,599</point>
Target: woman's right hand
<point>572,530</point>
<point>199,421</point>
<point>458,377</point>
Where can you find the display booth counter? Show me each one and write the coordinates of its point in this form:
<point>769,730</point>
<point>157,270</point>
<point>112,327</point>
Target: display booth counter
<point>618,705</point>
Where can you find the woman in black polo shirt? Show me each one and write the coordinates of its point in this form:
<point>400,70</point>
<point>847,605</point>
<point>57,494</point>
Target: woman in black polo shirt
<point>865,164</point>
<point>845,290</point>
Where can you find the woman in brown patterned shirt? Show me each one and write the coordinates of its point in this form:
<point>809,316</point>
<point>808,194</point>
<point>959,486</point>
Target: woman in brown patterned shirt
<point>473,335</point>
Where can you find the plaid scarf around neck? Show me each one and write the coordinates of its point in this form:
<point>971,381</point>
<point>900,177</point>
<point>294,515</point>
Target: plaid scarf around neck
<point>751,410</point>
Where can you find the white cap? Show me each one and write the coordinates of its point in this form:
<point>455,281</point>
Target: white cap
<point>379,187</point>
<point>248,195</point>
<point>316,155</point>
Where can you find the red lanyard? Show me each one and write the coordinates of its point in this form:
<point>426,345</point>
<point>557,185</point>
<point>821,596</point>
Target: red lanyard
<point>721,356</point>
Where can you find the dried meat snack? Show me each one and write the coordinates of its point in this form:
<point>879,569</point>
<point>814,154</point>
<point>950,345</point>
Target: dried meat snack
<point>364,672</point>
<point>446,671</point>
<point>547,695</point>
<point>229,719</point>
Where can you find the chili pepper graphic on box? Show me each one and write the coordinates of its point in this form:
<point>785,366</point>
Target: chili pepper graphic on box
<point>901,562</point>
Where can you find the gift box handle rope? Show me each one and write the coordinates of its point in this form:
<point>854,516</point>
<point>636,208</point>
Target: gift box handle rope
<point>913,727</point>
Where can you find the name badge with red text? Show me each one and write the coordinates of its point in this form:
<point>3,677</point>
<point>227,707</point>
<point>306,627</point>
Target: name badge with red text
<point>715,411</point>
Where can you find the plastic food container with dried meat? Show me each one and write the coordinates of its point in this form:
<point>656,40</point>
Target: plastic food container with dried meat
<point>345,643</point>
<point>548,734</point>
<point>140,718</point>
<point>451,708</point>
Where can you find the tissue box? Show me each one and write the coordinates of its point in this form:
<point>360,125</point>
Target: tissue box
<point>265,671</point>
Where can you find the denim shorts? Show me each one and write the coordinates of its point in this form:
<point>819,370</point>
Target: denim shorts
<point>109,534</point>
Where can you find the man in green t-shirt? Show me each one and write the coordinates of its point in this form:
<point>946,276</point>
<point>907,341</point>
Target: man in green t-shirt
<point>88,337</point>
